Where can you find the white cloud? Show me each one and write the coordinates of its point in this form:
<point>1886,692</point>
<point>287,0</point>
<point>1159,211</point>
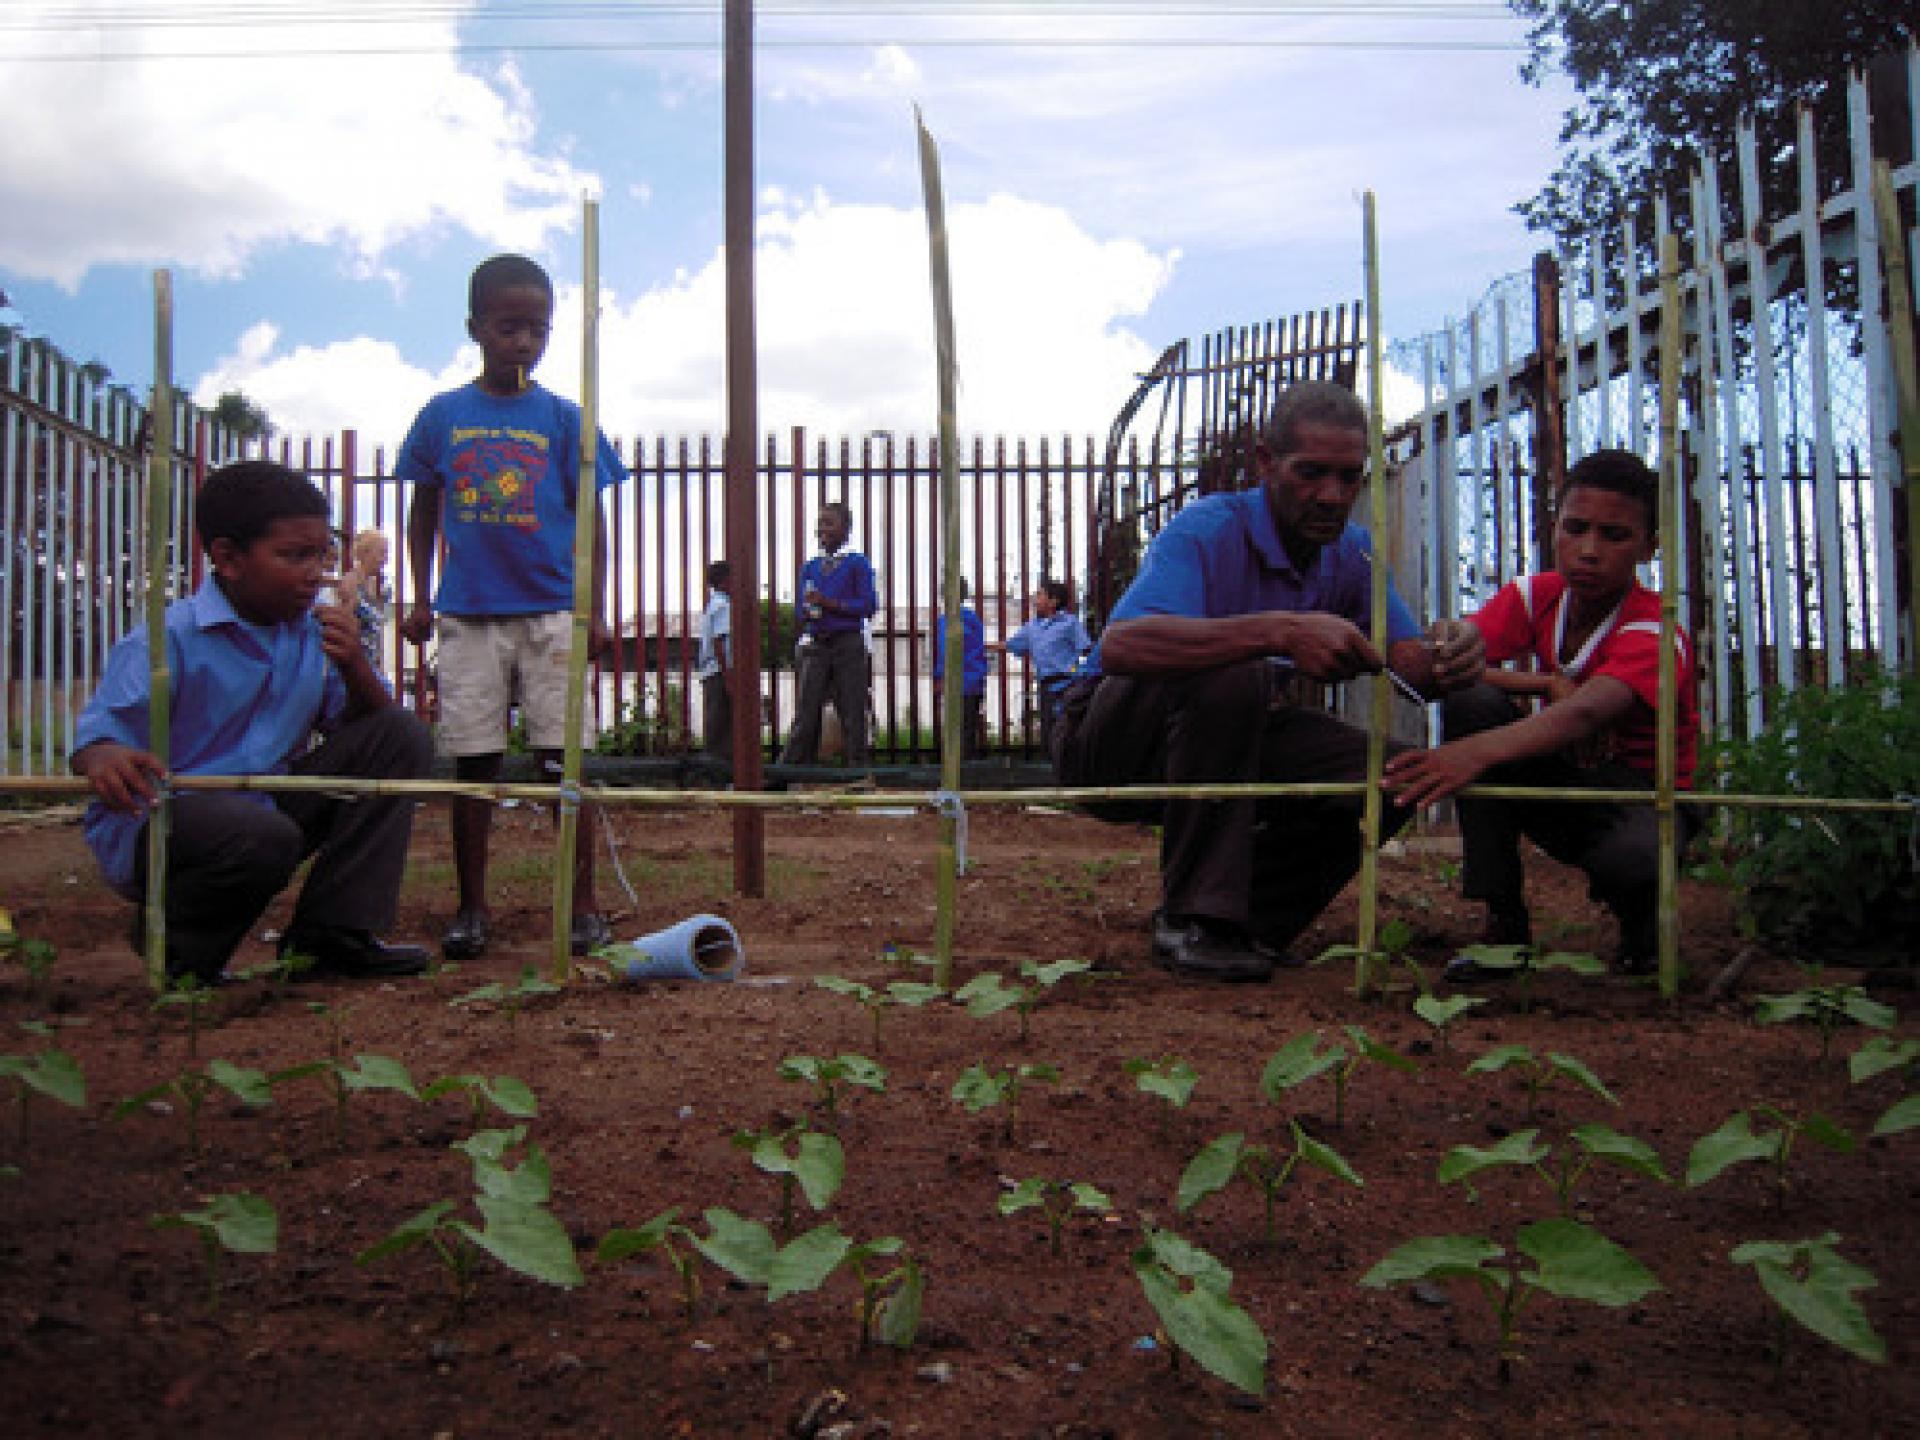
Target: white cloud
<point>199,162</point>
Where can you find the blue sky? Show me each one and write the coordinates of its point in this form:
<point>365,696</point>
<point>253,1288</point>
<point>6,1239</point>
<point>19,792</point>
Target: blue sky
<point>321,175</point>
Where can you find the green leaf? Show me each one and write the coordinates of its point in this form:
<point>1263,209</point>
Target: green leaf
<point>1500,957</point>
<point>1297,1062</point>
<point>1863,1011</point>
<point>1441,1013</point>
<point>1502,1057</point>
<point>525,1236</point>
<point>57,1075</point>
<point>1822,1131</point>
<point>820,1167</point>
<point>1211,1169</point>
<point>247,1085</point>
<point>1464,1161</point>
<point>1377,1052</point>
<point>407,1234</point>
<point>1024,1196</point>
<point>245,1224</point>
<point>1395,936</point>
<point>1732,1144</point>
<point>859,1070</point>
<point>1200,1318</point>
<point>913,992</point>
<point>1821,1298</point>
<point>1173,1079</point>
<point>806,1261</point>
<point>1879,1055</point>
<point>841,986</point>
<point>379,1072</point>
<point>1574,1070</point>
<point>978,1089</point>
<point>1436,1257</point>
<point>1090,1197</point>
<point>619,1244</point>
<point>1579,1263</point>
<point>987,994</point>
<point>1323,1157</point>
<point>1623,1150</point>
<point>1053,973</point>
<point>1902,1115</point>
<point>1578,961</point>
<point>897,1320</point>
<point>741,1247</point>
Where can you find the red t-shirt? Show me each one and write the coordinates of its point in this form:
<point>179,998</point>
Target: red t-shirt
<point>1527,617</point>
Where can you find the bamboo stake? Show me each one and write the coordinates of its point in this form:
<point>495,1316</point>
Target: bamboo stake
<point>586,508</point>
<point>159,674</point>
<point>1906,380</point>
<point>1367,977</point>
<point>952,707</point>
<point>1667,730</point>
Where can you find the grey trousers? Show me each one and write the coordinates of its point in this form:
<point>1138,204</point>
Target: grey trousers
<point>834,667</point>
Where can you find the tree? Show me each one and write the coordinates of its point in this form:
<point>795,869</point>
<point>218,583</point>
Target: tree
<point>1662,80</point>
<point>234,413</point>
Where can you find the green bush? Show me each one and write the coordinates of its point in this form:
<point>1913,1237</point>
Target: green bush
<point>1821,878</point>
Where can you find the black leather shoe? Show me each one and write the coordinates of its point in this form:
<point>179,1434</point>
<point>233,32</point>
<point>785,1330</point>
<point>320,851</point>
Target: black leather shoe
<point>356,953</point>
<point>1208,950</point>
<point>466,937</point>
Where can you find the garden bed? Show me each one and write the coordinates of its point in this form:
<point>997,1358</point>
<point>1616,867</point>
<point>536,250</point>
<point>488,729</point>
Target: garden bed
<point>106,1327</point>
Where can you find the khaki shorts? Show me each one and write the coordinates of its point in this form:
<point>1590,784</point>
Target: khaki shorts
<point>487,662</point>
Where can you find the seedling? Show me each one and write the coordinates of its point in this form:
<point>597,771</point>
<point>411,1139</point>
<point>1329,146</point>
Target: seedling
<point>198,997</point>
<point>1300,1060</point>
<point>245,1224</point>
<point>1057,1200</point>
<point>989,994</point>
<point>1573,1262</point>
<point>889,1298</point>
<point>1900,1116</point>
<point>1441,1013</point>
<point>899,992</point>
<point>1562,1170</point>
<point>368,1072</point>
<point>52,1073</point>
<point>511,1097</point>
<point>1827,1007</point>
<point>333,1022</point>
<point>1811,1283</point>
<point>1538,1074</point>
<point>981,1089</point>
<point>661,1233</point>
<point>283,970</point>
<point>830,1077</point>
<point>517,1229</point>
<point>36,957</point>
<point>1171,1078</point>
<point>817,1165</point>
<point>1393,946</point>
<point>1188,1290</point>
<point>192,1086</point>
<point>1736,1141</point>
<point>1524,962</point>
<point>1219,1161</point>
<point>1881,1054</point>
<point>510,998</point>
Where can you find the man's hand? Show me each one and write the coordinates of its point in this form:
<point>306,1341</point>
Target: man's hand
<point>418,624</point>
<point>1329,648</point>
<point>1419,778</point>
<point>339,633</point>
<point>123,778</point>
<point>1459,654</point>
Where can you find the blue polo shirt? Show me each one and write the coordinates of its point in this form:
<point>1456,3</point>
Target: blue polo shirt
<point>1221,557</point>
<point>246,701</point>
<point>846,577</point>
<point>973,651</point>
<point>1053,644</point>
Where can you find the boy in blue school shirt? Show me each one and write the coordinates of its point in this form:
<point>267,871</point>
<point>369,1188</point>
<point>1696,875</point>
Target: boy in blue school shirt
<point>495,465</point>
<point>1052,642</point>
<point>837,598</point>
<point>256,669</point>
<point>1189,685</point>
<point>973,675</point>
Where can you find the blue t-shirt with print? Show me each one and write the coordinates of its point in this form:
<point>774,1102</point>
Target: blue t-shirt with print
<point>508,470</point>
<point>1222,556</point>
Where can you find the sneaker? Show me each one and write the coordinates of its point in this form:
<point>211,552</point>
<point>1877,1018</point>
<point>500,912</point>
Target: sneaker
<point>466,937</point>
<point>588,933</point>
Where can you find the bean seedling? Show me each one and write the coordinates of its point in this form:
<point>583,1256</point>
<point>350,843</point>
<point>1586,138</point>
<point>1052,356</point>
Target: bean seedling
<point>1568,1167</point>
<point>1057,1200</point>
<point>192,1086</point>
<point>1524,962</point>
<point>1300,1060</point>
<point>1737,1141</point>
<point>817,1165</point>
<point>1441,1013</point>
<point>52,1073</point>
<point>1393,946</point>
<point>367,1072</point>
<point>1827,1007</point>
<point>890,1298</point>
<point>36,957</point>
<point>664,1234</point>
<point>1538,1074</point>
<point>899,992</point>
<point>242,1223</point>
<point>1572,1262</point>
<point>1813,1284</point>
<point>1881,1054</point>
<point>510,998</point>
<point>829,1077</point>
<point>979,1088</point>
<point>1188,1289</point>
<point>989,994</point>
<point>198,997</point>
<point>1170,1077</point>
<point>1218,1162</point>
<point>283,970</point>
<point>510,1096</point>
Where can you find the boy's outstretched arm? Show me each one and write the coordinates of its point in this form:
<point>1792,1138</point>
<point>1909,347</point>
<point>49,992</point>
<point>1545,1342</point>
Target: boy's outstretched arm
<point>423,539</point>
<point>122,777</point>
<point>1426,777</point>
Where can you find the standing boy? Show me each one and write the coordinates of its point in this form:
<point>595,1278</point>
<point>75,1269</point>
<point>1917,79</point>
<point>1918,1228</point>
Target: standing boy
<point>715,666</point>
<point>973,675</point>
<point>496,466</point>
<point>1053,642</point>
<point>1594,631</point>
<point>837,597</point>
<point>255,670</point>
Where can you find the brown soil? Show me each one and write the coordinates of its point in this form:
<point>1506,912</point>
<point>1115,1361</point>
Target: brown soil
<point>105,1327</point>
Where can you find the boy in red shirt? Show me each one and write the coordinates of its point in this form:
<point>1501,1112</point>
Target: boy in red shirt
<point>1593,631</point>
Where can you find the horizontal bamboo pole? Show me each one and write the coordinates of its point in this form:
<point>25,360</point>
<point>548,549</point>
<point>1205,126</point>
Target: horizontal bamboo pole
<point>891,799</point>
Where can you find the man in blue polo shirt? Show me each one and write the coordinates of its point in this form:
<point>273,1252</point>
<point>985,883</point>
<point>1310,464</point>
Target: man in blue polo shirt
<point>837,597</point>
<point>1053,642</point>
<point>1190,683</point>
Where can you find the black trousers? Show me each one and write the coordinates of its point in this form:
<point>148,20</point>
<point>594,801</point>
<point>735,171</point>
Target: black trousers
<point>716,717</point>
<point>1618,846</point>
<point>228,855</point>
<point>1270,865</point>
<point>835,667</point>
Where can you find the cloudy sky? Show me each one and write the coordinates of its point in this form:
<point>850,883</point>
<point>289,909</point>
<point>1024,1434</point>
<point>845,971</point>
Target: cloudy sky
<point>321,176</point>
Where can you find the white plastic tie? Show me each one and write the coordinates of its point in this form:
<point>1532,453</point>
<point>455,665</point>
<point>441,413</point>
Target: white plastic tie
<point>950,806</point>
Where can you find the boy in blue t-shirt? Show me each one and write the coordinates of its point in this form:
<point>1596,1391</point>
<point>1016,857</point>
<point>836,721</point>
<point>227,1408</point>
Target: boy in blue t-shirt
<point>495,467</point>
<point>973,675</point>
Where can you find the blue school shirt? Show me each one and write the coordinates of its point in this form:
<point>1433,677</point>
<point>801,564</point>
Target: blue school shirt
<point>1052,643</point>
<point>1222,556</point>
<point>845,576</point>
<point>508,472</point>
<point>973,651</point>
<point>246,701</point>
